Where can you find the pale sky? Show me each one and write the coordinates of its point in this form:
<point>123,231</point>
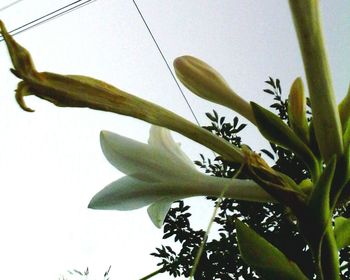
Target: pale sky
<point>51,160</point>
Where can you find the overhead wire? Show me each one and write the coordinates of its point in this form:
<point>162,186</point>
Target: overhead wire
<point>166,62</point>
<point>200,252</point>
<point>50,16</point>
<point>9,5</point>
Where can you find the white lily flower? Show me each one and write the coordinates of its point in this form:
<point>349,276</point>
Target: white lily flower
<point>158,173</point>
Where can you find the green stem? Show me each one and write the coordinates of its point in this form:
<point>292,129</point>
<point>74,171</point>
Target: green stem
<point>324,109</point>
<point>329,256</point>
<point>201,248</point>
<point>154,273</point>
<point>325,255</point>
<point>218,202</point>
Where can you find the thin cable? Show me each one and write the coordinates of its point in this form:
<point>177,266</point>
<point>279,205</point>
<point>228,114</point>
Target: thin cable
<point>166,62</point>
<point>10,5</point>
<point>44,16</point>
<point>50,16</point>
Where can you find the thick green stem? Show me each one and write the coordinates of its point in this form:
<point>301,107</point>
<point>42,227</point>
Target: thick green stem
<point>324,109</point>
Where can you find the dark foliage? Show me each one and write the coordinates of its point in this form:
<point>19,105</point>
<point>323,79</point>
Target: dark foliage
<point>221,258</point>
<point>84,274</point>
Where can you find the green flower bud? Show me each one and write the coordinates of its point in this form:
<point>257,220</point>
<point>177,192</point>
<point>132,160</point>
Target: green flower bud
<point>297,110</point>
<point>206,82</point>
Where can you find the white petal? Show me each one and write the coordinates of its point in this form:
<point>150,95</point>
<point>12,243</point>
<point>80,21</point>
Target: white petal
<point>126,193</point>
<point>142,161</point>
<point>158,210</point>
<point>160,137</point>
<point>129,193</point>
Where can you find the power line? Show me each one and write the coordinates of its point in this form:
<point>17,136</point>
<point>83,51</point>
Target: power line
<point>44,16</point>
<point>10,5</point>
<point>166,62</point>
<point>50,16</point>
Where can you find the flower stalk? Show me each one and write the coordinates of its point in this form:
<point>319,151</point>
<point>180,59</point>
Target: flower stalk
<point>327,126</point>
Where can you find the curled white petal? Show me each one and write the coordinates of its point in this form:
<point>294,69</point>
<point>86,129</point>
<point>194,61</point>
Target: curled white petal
<point>158,210</point>
<point>142,161</point>
<point>160,138</point>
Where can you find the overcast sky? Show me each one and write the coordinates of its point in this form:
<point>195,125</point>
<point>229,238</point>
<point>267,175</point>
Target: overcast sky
<point>51,160</point>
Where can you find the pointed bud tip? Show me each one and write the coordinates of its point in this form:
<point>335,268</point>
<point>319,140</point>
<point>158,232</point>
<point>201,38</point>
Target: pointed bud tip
<point>2,27</point>
<point>104,134</point>
<point>183,59</point>
<point>297,86</point>
<point>296,97</point>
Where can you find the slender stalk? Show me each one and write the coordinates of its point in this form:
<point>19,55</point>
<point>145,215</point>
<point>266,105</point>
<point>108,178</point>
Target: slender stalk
<point>324,109</point>
<point>201,248</point>
<point>154,273</point>
<point>318,267</point>
<point>218,202</point>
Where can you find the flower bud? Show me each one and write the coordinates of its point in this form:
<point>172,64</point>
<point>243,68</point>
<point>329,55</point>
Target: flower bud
<point>206,82</point>
<point>297,110</point>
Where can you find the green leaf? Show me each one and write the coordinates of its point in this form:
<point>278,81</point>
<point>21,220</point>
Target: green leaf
<point>344,113</point>
<point>211,117</point>
<point>276,131</point>
<point>313,141</point>
<point>319,200</point>
<point>341,178</point>
<point>263,257</point>
<point>346,135</point>
<point>314,222</point>
<point>342,232</point>
<point>269,91</point>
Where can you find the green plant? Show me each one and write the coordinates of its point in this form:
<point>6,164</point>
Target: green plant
<point>221,258</point>
<point>323,147</point>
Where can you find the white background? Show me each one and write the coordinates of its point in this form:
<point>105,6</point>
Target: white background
<point>50,161</point>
